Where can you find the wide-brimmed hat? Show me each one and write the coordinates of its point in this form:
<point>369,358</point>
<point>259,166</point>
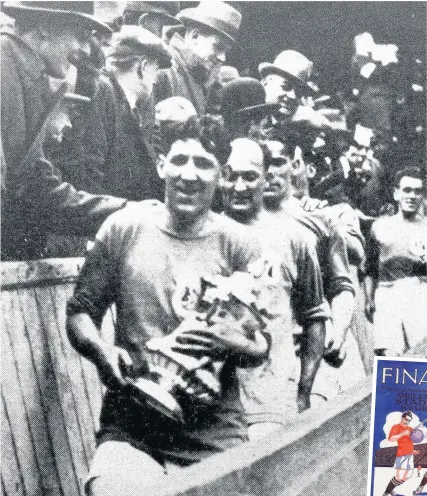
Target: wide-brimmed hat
<point>68,12</point>
<point>133,41</point>
<point>291,65</point>
<point>245,97</point>
<point>216,15</point>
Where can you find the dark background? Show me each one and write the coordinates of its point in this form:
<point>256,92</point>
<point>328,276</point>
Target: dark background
<point>324,32</point>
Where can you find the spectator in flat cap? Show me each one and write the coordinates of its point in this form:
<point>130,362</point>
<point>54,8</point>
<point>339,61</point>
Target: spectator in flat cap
<point>47,35</point>
<point>211,30</point>
<point>112,152</point>
<point>153,16</point>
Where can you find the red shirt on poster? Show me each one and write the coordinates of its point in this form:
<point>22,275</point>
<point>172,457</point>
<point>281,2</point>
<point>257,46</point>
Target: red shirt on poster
<point>404,445</point>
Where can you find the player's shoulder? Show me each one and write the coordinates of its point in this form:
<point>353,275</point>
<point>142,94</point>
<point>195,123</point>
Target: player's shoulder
<point>132,216</point>
<point>230,228</point>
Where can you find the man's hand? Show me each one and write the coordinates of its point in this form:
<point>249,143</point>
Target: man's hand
<point>416,452</point>
<point>303,401</point>
<point>370,309</point>
<point>113,365</point>
<point>219,341</point>
<point>312,204</point>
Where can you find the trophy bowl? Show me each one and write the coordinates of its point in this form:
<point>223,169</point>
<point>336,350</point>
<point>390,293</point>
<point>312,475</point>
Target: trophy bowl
<point>176,378</point>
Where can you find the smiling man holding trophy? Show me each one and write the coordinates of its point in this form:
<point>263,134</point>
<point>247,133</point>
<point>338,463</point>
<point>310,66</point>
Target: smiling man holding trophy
<point>189,312</point>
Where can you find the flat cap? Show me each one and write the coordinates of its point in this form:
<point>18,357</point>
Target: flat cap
<point>134,41</point>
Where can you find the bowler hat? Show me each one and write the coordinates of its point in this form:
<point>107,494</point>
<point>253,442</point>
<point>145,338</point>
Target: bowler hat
<point>216,15</point>
<point>291,65</point>
<point>134,41</point>
<point>68,12</point>
<point>245,97</point>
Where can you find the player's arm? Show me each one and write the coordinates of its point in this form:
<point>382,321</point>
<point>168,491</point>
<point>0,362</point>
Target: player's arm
<point>371,278</point>
<point>311,310</point>
<point>340,289</point>
<point>396,437</point>
<point>94,293</point>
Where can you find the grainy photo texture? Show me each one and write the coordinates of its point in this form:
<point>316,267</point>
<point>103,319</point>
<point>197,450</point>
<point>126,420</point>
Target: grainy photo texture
<point>213,218</point>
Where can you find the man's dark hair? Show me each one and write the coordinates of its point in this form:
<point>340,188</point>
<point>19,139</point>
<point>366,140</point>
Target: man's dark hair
<point>407,414</point>
<point>206,129</point>
<point>414,172</point>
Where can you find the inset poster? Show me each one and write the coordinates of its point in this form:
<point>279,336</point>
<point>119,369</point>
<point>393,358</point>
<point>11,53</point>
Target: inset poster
<point>398,449</point>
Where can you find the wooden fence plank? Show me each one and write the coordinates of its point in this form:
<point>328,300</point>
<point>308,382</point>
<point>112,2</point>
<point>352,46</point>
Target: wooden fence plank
<point>17,416</point>
<point>10,470</point>
<point>46,372</point>
<point>79,462</point>
<point>33,401</point>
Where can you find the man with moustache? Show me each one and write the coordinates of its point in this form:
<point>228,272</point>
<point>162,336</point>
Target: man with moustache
<point>267,394</point>
<point>211,30</point>
<point>396,275</point>
<point>142,259</point>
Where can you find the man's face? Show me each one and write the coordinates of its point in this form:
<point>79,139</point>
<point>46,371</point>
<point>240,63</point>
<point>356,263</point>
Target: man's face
<point>211,49</point>
<point>361,163</point>
<point>281,90</point>
<point>58,123</point>
<point>61,43</point>
<point>243,179</point>
<point>191,176</point>
<point>409,194</point>
<point>151,67</point>
<point>278,178</point>
<point>406,420</point>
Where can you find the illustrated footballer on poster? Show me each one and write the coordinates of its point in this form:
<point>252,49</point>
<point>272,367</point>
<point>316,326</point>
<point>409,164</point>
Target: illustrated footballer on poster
<point>398,444</point>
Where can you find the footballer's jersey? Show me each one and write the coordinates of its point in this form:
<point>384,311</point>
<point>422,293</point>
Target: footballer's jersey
<point>291,256</point>
<point>397,248</point>
<point>329,239</point>
<point>145,269</point>
<point>404,445</point>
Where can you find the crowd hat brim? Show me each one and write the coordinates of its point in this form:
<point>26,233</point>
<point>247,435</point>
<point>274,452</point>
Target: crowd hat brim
<point>266,68</point>
<point>226,21</point>
<point>258,110</point>
<point>134,41</point>
<point>19,9</point>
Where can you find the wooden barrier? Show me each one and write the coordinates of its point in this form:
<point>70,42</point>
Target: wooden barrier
<point>50,395</point>
<point>51,401</point>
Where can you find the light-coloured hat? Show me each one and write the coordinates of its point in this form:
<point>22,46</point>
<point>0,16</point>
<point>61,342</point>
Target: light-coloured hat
<point>135,41</point>
<point>292,65</point>
<point>175,109</point>
<point>217,15</point>
<point>71,12</point>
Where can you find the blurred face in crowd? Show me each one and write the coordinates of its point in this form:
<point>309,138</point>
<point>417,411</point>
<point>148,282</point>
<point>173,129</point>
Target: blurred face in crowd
<point>57,44</point>
<point>278,177</point>
<point>361,163</point>
<point>281,90</point>
<point>58,124</point>
<point>211,48</point>
<point>409,195</point>
<point>243,179</point>
<point>149,70</point>
<point>191,176</point>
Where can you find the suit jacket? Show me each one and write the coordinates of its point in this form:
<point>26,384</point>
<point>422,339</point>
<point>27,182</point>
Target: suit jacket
<point>185,78</point>
<point>110,150</point>
<point>44,202</point>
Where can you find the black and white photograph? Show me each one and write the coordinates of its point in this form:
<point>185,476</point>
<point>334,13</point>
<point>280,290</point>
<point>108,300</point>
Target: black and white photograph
<point>213,219</point>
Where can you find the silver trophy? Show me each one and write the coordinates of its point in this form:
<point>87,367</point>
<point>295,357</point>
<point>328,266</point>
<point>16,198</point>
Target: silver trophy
<point>221,304</point>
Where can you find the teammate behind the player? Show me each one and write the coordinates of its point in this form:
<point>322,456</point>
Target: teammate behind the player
<point>268,395</point>
<point>396,282</point>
